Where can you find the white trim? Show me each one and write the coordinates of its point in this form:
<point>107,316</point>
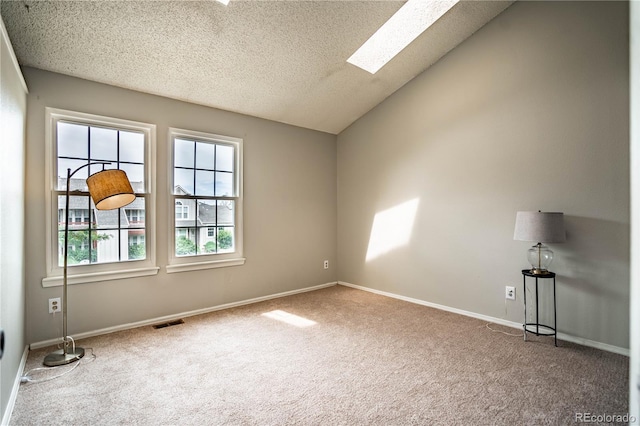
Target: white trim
<point>12,54</point>
<point>593,344</point>
<point>99,271</point>
<point>185,267</point>
<point>100,276</point>
<point>512,324</point>
<point>16,387</point>
<point>45,343</point>
<point>211,137</point>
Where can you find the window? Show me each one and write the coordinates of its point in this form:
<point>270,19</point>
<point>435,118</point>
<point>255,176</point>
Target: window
<point>77,216</point>
<point>182,211</point>
<point>102,244</point>
<point>135,215</point>
<point>206,195</point>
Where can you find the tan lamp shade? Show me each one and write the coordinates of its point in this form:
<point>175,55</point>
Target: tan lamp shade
<point>110,189</point>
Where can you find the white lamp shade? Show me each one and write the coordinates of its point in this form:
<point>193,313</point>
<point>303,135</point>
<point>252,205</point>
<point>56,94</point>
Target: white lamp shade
<point>541,227</point>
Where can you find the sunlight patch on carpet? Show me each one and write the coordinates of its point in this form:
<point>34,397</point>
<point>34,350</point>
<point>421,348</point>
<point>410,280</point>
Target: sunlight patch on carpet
<point>289,318</point>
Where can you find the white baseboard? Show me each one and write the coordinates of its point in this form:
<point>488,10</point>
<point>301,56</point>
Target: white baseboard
<point>512,324</point>
<point>168,318</point>
<point>16,386</point>
<point>561,336</point>
<point>593,344</point>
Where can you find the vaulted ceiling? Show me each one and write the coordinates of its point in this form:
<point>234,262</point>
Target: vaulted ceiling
<point>279,60</point>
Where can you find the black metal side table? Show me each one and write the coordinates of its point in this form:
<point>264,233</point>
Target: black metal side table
<point>535,327</point>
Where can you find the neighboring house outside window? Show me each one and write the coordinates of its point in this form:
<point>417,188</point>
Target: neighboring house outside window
<point>207,200</point>
<point>101,242</point>
<point>182,210</point>
<point>134,215</point>
<point>77,216</point>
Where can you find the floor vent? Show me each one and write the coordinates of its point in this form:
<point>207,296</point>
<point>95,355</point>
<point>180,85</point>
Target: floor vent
<point>168,324</point>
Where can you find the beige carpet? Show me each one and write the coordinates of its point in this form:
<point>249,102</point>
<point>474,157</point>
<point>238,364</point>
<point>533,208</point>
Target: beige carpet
<point>367,360</point>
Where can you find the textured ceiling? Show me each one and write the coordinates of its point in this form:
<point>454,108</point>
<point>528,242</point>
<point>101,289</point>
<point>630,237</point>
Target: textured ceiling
<point>279,60</point>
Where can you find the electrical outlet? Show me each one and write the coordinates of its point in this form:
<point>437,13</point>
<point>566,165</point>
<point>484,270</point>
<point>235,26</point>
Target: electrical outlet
<point>510,293</point>
<point>326,264</point>
<point>54,305</point>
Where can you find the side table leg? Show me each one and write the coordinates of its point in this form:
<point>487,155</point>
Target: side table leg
<point>537,321</point>
<point>555,318</point>
<point>524,292</point>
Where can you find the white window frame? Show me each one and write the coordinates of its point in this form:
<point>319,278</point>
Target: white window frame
<point>214,260</point>
<point>80,274</point>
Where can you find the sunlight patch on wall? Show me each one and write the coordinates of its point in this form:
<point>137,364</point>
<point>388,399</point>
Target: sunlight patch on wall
<point>289,318</point>
<point>391,229</point>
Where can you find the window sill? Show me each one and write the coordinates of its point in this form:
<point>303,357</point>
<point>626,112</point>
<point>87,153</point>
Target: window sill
<point>100,276</point>
<point>184,267</point>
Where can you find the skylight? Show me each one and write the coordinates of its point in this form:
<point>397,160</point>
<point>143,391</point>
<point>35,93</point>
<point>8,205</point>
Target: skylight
<point>401,29</point>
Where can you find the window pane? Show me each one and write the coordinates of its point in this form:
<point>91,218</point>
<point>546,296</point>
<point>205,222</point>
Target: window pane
<point>224,158</point>
<point>207,212</point>
<point>205,155</point>
<point>185,212</point>
<point>225,213</point>
<point>136,244</point>
<point>72,140</point>
<point>205,183</point>
<point>185,241</point>
<point>183,178</point>
<point>78,181</point>
<point>109,219</point>
<point>224,184</point>
<point>135,173</point>
<point>135,213</point>
<point>95,168</point>
<point>208,244</point>
<point>78,248</point>
<point>104,144</point>
<point>226,240</point>
<point>183,153</point>
<point>107,246</point>
<point>79,214</point>
<point>131,147</point>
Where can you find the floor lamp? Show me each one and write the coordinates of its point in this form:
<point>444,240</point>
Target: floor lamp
<point>109,189</point>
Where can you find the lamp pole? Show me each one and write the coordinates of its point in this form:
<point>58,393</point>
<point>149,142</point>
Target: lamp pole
<point>65,355</point>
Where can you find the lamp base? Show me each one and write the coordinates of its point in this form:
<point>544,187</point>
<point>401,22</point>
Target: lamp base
<point>539,271</point>
<point>540,257</point>
<point>60,358</point>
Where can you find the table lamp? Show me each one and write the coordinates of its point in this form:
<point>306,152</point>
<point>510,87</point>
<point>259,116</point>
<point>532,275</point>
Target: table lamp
<point>541,227</point>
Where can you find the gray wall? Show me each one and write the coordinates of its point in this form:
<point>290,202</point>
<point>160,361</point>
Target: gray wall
<point>289,210</point>
<point>13,106</point>
<point>532,112</point>
<point>634,364</point>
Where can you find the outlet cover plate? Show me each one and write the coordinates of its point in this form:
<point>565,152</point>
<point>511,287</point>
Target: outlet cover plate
<point>510,293</point>
<point>55,305</point>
